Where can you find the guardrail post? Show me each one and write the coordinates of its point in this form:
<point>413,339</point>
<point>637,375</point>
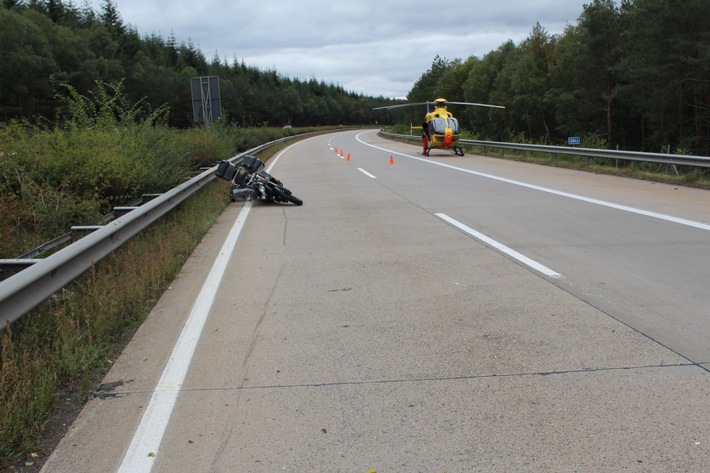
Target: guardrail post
<point>121,211</point>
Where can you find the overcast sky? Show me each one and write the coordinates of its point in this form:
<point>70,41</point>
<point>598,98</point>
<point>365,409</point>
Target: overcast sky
<point>373,47</point>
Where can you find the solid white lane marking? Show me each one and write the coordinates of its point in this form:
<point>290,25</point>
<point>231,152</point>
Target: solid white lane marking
<point>366,173</point>
<point>146,441</point>
<point>145,445</point>
<point>625,208</point>
<point>501,247</point>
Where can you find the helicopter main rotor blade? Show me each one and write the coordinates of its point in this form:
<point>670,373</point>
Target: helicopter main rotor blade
<point>400,105</point>
<point>476,104</point>
<point>438,104</point>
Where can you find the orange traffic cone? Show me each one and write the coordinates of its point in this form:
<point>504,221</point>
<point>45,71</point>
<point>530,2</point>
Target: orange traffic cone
<point>391,159</point>
<point>341,154</point>
<point>348,158</point>
<point>336,150</point>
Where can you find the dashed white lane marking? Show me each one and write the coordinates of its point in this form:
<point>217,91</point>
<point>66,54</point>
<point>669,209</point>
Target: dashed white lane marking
<point>366,173</point>
<point>501,247</point>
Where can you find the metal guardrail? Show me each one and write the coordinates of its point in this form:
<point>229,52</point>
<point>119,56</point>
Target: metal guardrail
<point>28,288</point>
<point>671,159</point>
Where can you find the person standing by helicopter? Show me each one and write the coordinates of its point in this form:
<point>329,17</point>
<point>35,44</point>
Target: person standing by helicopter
<point>425,137</point>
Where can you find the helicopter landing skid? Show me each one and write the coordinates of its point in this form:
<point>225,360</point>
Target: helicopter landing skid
<point>458,151</point>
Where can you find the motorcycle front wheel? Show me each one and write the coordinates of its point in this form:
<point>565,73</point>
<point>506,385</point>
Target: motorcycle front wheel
<point>287,196</point>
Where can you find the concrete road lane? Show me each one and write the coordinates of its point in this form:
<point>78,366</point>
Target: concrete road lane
<point>638,251</point>
<point>360,332</point>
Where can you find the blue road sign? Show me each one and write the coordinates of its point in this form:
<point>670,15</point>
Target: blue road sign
<point>573,140</point>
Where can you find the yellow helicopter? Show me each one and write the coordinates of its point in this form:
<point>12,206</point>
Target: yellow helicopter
<point>440,129</point>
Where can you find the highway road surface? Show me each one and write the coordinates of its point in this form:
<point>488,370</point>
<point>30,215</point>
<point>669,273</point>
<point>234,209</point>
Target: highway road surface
<point>422,314</point>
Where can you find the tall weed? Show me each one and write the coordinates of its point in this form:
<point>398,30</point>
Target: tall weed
<point>103,153</point>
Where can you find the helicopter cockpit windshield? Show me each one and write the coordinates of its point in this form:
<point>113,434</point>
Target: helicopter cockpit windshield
<point>438,125</point>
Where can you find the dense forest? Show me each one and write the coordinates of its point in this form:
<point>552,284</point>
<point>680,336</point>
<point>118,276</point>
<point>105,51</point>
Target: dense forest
<point>47,44</point>
<point>633,74</point>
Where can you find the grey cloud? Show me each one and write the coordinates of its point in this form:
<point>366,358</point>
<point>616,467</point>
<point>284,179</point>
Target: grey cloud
<point>376,49</point>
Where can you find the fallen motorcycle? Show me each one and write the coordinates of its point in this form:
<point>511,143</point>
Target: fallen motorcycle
<point>248,182</point>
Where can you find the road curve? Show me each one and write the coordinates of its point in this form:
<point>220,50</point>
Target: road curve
<point>403,320</point>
